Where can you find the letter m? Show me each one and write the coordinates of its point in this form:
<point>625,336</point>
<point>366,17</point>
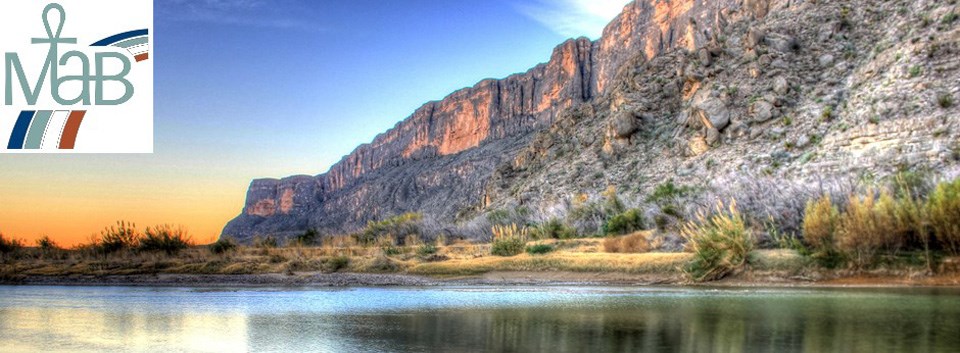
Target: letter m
<point>13,62</point>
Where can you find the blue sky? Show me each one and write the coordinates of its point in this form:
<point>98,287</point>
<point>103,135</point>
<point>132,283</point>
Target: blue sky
<point>270,88</point>
<point>310,80</point>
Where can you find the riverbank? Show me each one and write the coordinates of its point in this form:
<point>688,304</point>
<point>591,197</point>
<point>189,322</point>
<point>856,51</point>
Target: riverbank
<point>572,262</point>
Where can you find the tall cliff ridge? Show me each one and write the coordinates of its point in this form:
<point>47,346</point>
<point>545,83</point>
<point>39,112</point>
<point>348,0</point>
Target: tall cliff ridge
<point>689,90</point>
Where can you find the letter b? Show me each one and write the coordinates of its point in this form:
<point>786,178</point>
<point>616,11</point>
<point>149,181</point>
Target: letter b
<point>100,78</point>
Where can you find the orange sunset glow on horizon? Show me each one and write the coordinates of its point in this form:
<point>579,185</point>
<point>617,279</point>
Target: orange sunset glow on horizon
<point>72,207</point>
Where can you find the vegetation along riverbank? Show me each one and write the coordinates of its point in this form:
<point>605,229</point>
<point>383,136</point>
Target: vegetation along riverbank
<point>902,232</point>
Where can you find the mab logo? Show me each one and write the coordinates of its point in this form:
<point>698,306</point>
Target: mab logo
<point>87,92</point>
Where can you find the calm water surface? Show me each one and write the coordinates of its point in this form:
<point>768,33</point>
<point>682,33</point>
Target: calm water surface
<point>467,319</point>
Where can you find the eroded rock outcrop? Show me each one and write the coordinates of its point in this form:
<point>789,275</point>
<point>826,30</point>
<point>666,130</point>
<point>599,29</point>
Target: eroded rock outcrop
<point>439,160</point>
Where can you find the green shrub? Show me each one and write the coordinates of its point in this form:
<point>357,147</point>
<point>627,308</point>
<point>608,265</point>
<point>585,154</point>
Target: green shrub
<point>949,18</point>
<point>625,223</point>
<point>311,237</point>
<point>943,209</point>
<point>222,245</point>
<point>553,229</point>
<point>426,249</point>
<point>508,240</point>
<point>720,244</point>
<point>827,113</point>
<point>667,193</point>
<point>915,71</point>
<point>164,238</point>
<point>945,100</point>
<point>539,249</point>
<point>391,250</point>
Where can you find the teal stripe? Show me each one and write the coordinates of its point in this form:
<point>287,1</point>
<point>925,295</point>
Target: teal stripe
<point>132,42</point>
<point>37,128</point>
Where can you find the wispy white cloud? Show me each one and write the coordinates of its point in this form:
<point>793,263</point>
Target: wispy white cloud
<point>255,13</point>
<point>573,18</point>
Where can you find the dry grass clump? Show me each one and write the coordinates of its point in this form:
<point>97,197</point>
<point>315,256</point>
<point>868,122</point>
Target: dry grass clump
<point>659,263</point>
<point>164,238</point>
<point>637,242</point>
<point>508,240</point>
<point>720,244</point>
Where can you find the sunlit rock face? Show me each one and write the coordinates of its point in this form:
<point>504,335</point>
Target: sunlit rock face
<point>438,160</point>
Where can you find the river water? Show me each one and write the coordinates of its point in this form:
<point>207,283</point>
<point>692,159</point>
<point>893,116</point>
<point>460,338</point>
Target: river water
<point>478,319</point>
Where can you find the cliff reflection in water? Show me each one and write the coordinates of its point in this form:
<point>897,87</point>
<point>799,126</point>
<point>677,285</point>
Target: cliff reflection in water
<point>53,319</point>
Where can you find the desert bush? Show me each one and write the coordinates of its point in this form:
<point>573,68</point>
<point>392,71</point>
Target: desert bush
<point>627,222</point>
<point>553,229</point>
<point>336,263</point>
<point>47,244</point>
<point>943,210</point>
<point>164,238</point>
<point>311,237</point>
<point>668,193</point>
<point>633,243</point>
<point>820,223</point>
<point>868,226</point>
<point>945,100</point>
<point>539,249</point>
<point>720,243</point>
<point>398,227</point>
<point>49,248</point>
<point>222,245</point>
<point>508,240</point>
<point>117,238</point>
<point>10,246</point>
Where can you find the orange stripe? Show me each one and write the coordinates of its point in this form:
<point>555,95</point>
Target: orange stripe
<point>71,129</point>
<point>142,57</point>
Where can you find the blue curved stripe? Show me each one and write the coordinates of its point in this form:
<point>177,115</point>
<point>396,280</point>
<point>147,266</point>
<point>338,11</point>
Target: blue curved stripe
<point>20,130</point>
<point>119,37</point>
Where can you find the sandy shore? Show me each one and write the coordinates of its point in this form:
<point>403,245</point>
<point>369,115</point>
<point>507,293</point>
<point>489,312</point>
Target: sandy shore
<point>491,279</point>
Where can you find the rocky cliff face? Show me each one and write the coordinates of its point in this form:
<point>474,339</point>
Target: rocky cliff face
<point>672,89</point>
